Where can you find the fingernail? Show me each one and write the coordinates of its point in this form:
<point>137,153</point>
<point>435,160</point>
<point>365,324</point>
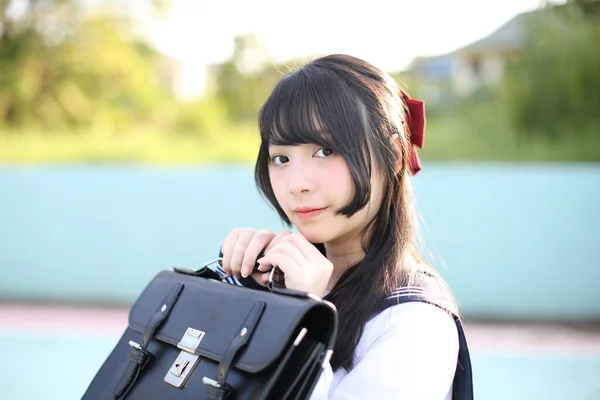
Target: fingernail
<point>260,260</point>
<point>246,271</point>
<point>263,267</point>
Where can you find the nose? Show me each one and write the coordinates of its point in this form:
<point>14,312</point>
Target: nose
<point>301,178</point>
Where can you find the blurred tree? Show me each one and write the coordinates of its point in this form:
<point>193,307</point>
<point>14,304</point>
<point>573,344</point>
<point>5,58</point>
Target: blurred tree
<point>66,66</point>
<point>245,81</point>
<point>553,89</point>
<point>161,7</point>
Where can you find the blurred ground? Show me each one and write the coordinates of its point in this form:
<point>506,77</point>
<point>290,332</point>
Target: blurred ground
<point>482,335</point>
<point>63,347</point>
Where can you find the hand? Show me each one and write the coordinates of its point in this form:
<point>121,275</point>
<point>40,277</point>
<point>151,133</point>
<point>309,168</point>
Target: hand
<point>305,267</point>
<point>242,247</point>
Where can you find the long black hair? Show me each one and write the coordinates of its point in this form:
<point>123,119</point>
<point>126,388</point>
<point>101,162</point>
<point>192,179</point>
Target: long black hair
<point>346,104</point>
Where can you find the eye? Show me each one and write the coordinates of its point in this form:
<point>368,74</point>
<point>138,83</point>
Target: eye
<point>278,160</point>
<point>324,152</point>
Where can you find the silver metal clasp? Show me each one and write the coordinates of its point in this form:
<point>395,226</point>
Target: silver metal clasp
<point>187,360</point>
<point>135,345</point>
<point>216,266</point>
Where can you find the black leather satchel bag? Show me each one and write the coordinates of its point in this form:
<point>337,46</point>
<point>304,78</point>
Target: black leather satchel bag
<point>192,336</point>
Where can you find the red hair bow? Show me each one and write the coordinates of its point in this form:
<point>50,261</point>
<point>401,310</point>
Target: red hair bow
<point>415,119</point>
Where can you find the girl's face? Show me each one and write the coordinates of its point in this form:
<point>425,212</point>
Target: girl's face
<point>311,183</point>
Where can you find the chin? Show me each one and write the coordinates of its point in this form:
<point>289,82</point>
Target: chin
<point>314,234</point>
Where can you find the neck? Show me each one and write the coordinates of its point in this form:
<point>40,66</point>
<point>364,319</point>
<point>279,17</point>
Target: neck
<point>343,255</point>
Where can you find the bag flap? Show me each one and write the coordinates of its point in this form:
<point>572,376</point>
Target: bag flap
<point>219,309</point>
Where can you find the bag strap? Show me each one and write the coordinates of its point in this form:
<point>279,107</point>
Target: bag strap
<point>219,389</point>
<point>139,357</point>
<point>462,386</point>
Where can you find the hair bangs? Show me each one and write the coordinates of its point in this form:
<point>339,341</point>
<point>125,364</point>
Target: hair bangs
<point>292,115</point>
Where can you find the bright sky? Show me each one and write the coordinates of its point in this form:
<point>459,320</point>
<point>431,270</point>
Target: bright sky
<point>386,33</point>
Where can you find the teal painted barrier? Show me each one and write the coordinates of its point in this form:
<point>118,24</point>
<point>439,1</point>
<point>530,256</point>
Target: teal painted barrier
<point>67,362</point>
<point>516,241</point>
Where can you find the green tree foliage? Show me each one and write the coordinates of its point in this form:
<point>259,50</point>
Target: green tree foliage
<point>65,67</point>
<point>553,88</point>
<point>245,81</point>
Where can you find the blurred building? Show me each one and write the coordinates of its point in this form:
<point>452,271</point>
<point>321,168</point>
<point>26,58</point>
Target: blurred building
<point>480,64</point>
<point>168,73</point>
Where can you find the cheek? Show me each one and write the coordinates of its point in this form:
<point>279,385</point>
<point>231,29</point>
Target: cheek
<point>278,186</point>
<point>340,181</point>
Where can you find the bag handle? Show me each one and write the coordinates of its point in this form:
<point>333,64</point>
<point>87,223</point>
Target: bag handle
<point>205,271</point>
<point>214,270</point>
<point>272,285</point>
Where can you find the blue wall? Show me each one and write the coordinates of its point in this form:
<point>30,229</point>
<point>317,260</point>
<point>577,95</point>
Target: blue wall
<point>513,240</point>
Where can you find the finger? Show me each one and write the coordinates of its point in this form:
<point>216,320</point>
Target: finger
<point>227,249</point>
<point>280,236</point>
<point>307,249</point>
<point>239,250</point>
<point>289,248</point>
<point>282,260</point>
<point>261,278</point>
<point>263,267</point>
<point>256,245</point>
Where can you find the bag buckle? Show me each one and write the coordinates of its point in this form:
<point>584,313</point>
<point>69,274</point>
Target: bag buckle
<point>187,360</point>
<point>210,382</point>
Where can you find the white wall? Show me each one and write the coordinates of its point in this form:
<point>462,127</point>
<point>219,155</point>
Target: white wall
<point>468,78</point>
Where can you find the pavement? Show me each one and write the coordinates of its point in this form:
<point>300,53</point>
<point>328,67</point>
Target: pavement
<point>487,336</point>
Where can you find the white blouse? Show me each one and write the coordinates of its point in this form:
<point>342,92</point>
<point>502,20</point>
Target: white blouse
<point>408,351</point>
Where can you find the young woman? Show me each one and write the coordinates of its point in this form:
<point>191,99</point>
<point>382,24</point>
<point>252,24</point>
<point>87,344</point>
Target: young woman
<point>337,154</point>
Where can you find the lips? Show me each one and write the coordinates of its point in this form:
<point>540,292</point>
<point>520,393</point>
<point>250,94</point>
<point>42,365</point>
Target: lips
<point>306,213</point>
